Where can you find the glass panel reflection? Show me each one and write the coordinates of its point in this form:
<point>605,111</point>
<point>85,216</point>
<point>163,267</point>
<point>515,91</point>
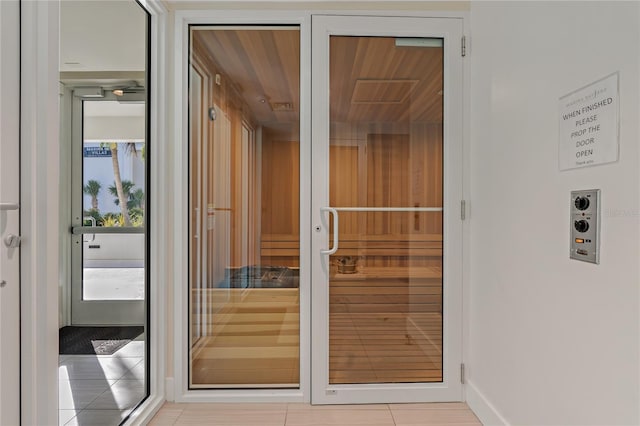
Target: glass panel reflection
<point>103,335</point>
<point>244,204</point>
<point>386,150</point>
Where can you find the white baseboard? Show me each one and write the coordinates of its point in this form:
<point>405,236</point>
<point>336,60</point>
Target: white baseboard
<point>482,408</point>
<point>145,412</point>
<point>169,389</point>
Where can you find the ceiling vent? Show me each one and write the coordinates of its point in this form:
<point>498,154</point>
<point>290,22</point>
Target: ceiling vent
<point>281,106</point>
<point>382,91</point>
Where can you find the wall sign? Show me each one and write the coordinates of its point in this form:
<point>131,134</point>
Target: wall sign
<point>96,151</point>
<point>589,125</point>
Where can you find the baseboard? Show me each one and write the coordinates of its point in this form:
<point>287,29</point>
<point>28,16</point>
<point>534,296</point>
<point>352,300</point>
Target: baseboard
<point>145,412</point>
<point>482,408</point>
<point>169,389</point>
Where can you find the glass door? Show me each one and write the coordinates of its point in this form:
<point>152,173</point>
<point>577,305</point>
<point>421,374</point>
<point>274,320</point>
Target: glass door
<point>387,186</point>
<point>244,204</point>
<point>108,218</point>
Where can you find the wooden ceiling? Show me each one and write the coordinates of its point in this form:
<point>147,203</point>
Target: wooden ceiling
<point>264,65</point>
<point>372,79</point>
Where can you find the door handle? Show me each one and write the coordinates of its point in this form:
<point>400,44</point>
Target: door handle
<point>334,212</point>
<point>93,224</point>
<point>9,206</point>
<point>12,241</point>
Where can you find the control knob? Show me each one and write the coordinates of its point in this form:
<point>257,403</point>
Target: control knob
<point>582,203</point>
<point>581,225</point>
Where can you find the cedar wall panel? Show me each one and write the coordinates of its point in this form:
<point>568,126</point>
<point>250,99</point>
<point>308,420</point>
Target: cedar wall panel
<point>280,201</point>
<point>399,254</point>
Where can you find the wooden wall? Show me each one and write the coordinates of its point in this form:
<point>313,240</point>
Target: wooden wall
<point>280,189</point>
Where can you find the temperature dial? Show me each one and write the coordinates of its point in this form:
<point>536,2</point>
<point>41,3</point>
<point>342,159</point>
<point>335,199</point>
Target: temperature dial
<point>582,203</point>
<point>581,225</point>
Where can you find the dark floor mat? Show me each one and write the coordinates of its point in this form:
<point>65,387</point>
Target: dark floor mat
<point>96,340</point>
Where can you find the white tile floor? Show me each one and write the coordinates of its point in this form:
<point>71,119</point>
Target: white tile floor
<point>101,389</point>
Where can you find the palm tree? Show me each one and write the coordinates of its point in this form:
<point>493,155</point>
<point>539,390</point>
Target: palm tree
<point>92,188</point>
<point>127,186</point>
<point>130,148</point>
<point>136,199</point>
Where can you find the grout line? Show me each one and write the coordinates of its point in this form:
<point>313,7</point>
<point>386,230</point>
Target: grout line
<point>286,414</point>
<point>392,417</point>
<point>175,422</point>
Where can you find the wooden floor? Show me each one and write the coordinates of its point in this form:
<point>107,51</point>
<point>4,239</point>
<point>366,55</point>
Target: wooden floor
<point>282,414</point>
<point>254,340</point>
<point>385,348</point>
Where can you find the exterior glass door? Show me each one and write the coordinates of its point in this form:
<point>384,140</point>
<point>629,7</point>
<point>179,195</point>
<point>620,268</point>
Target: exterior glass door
<point>109,240</point>
<point>387,242</point>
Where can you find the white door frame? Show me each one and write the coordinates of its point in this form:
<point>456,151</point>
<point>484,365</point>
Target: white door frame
<point>40,254</point>
<point>451,31</point>
<point>178,384</point>
<point>9,212</point>
<point>39,162</point>
<point>94,312</point>
<point>184,18</point>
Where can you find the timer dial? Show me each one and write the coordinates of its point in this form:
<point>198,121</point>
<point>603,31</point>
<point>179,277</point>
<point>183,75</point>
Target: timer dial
<point>581,225</point>
<point>582,203</point>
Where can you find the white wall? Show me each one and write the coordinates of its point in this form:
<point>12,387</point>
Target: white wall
<point>114,128</point>
<point>552,341</point>
<point>101,35</point>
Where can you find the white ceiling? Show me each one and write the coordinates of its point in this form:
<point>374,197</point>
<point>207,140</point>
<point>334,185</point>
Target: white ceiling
<point>106,37</point>
<point>99,35</point>
<point>113,109</point>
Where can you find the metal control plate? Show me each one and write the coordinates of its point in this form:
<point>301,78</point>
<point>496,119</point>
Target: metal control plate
<point>584,225</point>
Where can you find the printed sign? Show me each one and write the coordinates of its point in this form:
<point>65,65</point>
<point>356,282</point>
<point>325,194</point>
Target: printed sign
<point>96,151</point>
<point>589,125</point>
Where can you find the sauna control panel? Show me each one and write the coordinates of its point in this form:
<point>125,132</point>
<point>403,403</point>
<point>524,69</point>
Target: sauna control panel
<point>584,223</point>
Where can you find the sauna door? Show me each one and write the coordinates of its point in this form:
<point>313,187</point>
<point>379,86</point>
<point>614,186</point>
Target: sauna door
<point>387,231</point>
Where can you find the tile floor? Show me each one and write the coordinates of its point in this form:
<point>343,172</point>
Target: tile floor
<point>101,389</point>
<point>450,414</point>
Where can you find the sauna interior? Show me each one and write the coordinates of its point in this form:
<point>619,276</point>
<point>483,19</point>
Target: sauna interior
<point>386,172</point>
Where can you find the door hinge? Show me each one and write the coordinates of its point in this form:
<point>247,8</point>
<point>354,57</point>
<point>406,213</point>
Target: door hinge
<point>463,209</point>
<point>464,45</point>
<point>462,373</point>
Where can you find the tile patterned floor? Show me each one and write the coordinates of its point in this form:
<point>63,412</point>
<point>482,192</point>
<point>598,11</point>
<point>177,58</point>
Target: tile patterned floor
<point>100,389</point>
<point>450,414</point>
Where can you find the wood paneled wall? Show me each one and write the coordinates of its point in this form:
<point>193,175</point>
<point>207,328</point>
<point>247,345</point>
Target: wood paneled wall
<point>280,188</point>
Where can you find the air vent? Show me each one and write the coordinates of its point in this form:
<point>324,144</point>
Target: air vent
<point>281,106</point>
<point>382,91</point>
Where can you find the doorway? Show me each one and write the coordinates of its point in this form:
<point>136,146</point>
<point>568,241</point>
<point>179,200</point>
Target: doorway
<point>103,364</point>
<point>379,220</point>
<point>386,244</point>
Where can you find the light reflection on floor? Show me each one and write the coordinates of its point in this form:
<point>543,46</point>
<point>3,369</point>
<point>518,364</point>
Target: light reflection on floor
<point>101,389</point>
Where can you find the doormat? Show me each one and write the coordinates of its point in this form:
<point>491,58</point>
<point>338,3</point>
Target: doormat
<point>96,340</point>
